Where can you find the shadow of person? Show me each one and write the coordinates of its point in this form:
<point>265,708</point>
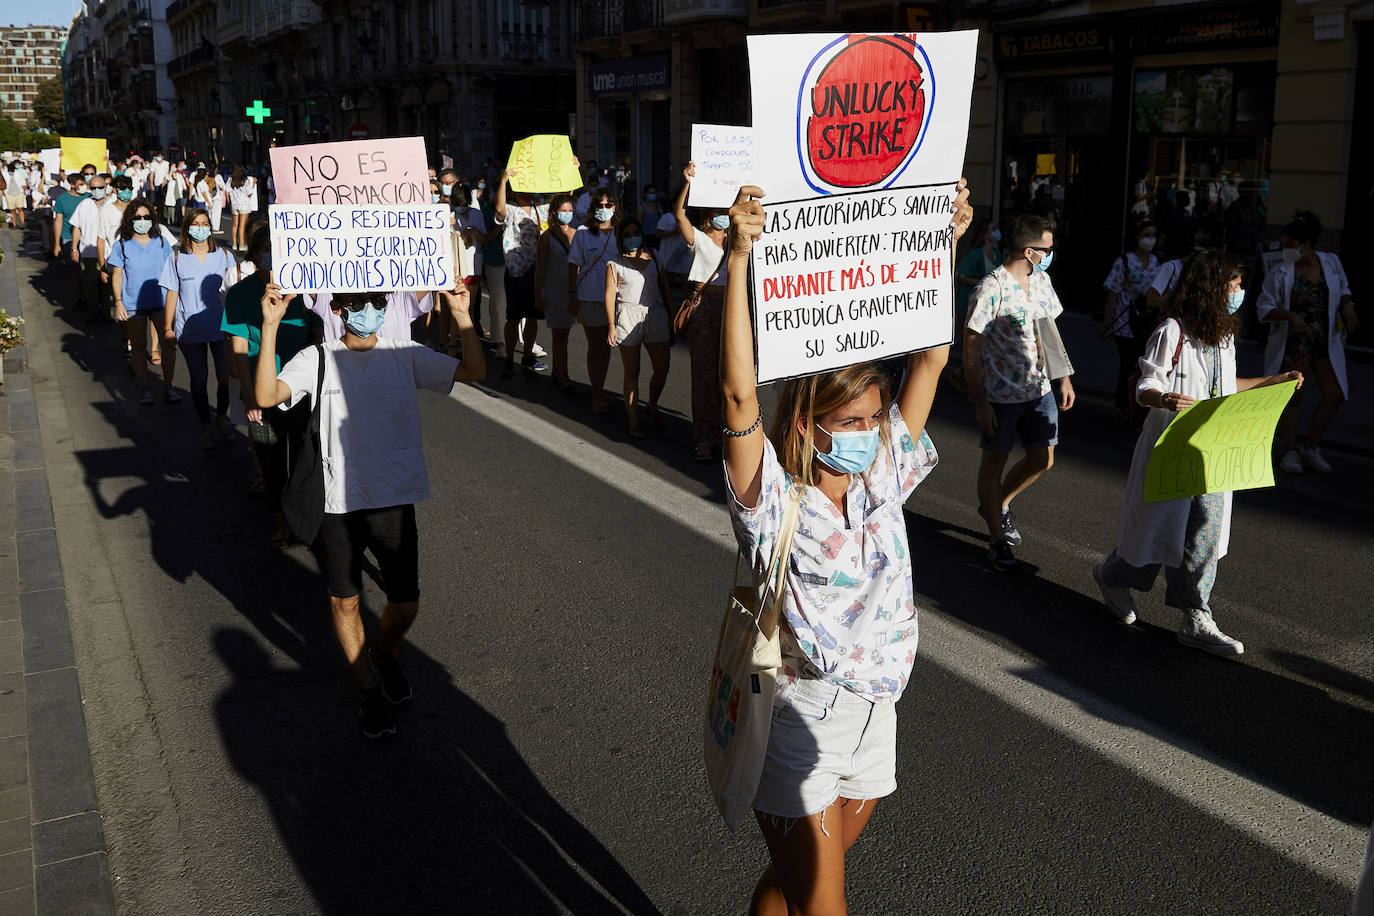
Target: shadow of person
<point>446,817</point>
<point>1269,727</point>
<point>449,816</point>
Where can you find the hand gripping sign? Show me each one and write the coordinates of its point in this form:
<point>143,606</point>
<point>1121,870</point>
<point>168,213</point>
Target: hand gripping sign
<point>859,145</point>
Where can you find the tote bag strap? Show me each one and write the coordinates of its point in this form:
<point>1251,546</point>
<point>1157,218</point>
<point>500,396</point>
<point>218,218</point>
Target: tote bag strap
<point>770,612</point>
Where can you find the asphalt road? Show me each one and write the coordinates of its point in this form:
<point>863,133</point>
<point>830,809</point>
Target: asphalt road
<point>1050,760</point>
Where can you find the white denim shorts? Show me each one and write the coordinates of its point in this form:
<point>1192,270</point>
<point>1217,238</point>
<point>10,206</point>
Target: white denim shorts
<point>638,324</point>
<point>827,743</point>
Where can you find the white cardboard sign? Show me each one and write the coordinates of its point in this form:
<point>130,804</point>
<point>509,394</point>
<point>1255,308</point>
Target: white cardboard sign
<point>317,249</point>
<point>864,137</point>
<point>724,158</point>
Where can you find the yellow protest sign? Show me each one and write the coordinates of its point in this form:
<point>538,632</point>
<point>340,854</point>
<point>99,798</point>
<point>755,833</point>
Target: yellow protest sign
<point>1044,164</point>
<point>79,151</point>
<point>543,164</point>
<point>1218,445</point>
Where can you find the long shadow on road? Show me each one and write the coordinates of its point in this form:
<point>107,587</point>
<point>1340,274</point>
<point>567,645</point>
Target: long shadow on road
<point>448,816</point>
<point>1291,737</point>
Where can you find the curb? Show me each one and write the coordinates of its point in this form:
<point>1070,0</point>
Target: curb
<point>52,847</point>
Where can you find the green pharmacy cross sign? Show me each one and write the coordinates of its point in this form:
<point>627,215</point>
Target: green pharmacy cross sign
<point>257,112</point>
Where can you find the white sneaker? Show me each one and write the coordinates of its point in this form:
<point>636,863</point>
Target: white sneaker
<point>1291,463</point>
<point>1312,457</point>
<point>1199,630</point>
<point>1118,600</point>
<point>538,352</point>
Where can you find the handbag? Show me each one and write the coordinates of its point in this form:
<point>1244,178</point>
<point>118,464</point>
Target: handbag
<point>302,499</point>
<point>739,708</point>
<point>689,305</point>
<point>1136,410</point>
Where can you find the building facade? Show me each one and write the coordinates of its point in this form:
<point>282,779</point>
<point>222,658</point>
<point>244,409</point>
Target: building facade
<point>115,74</point>
<point>29,55</point>
<point>1095,111</point>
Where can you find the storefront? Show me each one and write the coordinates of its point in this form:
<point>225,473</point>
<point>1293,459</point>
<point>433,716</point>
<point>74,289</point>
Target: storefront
<point>633,112</point>
<point>1166,114</point>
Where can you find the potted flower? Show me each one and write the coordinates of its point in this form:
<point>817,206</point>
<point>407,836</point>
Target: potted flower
<point>10,337</point>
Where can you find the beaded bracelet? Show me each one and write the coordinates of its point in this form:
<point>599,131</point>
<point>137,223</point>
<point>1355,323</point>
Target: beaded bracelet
<point>734,435</point>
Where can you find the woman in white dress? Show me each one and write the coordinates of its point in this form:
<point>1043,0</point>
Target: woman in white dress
<point>210,196</point>
<point>1190,357</point>
<point>243,200</point>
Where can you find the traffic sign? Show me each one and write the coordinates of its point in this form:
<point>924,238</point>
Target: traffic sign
<point>358,131</point>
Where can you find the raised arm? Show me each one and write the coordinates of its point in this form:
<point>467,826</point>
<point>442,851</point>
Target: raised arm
<point>684,225</point>
<point>473,367</point>
<point>269,390</point>
<point>499,204</point>
<point>923,369</point>
<point>740,410</point>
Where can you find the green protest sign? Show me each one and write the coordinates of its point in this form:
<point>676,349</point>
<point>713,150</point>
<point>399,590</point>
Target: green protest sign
<point>1218,445</point>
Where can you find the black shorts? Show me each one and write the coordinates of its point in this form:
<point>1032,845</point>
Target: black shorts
<point>520,302</point>
<point>391,536</point>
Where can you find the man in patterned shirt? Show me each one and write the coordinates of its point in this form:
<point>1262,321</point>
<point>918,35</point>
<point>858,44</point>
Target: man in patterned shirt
<point>520,241</point>
<point>1008,381</point>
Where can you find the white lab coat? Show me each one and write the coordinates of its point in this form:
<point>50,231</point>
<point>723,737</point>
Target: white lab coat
<point>1153,533</point>
<point>1277,286</point>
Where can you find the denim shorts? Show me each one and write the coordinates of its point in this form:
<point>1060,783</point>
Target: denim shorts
<point>1035,423</point>
<point>826,743</point>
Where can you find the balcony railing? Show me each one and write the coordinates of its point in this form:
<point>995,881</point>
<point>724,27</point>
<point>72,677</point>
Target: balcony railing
<point>643,14</point>
<point>283,17</point>
<point>526,46</point>
<point>599,19</point>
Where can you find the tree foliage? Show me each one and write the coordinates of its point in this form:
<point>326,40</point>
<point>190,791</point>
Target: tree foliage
<point>24,138</point>
<point>49,110</point>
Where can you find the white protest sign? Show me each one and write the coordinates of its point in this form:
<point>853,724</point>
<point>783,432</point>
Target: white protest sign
<point>724,158</point>
<point>360,173</point>
<point>361,249</point>
<point>864,137</point>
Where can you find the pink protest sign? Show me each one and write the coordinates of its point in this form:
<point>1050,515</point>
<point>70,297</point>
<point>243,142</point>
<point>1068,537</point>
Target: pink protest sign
<point>352,173</point>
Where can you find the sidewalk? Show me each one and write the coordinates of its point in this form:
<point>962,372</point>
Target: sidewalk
<point>52,849</point>
<point>1094,362</point>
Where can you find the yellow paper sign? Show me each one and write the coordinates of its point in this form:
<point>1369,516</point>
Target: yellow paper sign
<point>1218,445</point>
<point>79,151</point>
<point>543,164</point>
<point>1044,164</point>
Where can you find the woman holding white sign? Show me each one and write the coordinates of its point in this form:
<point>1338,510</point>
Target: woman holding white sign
<point>848,627</point>
<point>635,295</point>
<point>1190,357</point>
<point>707,276</point>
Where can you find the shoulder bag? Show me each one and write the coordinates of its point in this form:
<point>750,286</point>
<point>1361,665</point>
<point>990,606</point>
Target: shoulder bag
<point>739,708</point>
<point>302,499</point>
<point>689,305</point>
<point>1138,411</point>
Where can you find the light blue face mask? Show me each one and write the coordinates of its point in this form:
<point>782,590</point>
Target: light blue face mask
<point>564,217</point>
<point>434,198</point>
<point>604,214</point>
<point>1044,264</point>
<point>851,453</point>
<point>199,233</point>
<point>995,235</point>
<point>1234,301</point>
<point>141,226</point>
<point>367,322</point>
<point>126,195</point>
<point>446,189</point>
<point>98,193</point>
<point>721,221</point>
<point>632,242</point>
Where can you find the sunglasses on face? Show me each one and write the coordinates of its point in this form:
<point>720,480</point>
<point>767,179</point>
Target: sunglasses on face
<point>357,305</point>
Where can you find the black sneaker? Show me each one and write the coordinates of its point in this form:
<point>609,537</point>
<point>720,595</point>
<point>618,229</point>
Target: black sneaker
<point>1000,555</point>
<point>373,715</point>
<point>1009,528</point>
<point>532,364</point>
<point>395,686</point>
<point>508,370</point>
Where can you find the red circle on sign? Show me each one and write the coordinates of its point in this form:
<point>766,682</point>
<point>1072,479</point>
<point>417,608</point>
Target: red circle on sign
<point>174,150</point>
<point>868,106</point>
<point>359,131</point>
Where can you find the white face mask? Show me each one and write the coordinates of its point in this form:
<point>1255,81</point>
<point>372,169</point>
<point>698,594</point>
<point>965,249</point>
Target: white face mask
<point>1147,243</point>
<point>1292,255</point>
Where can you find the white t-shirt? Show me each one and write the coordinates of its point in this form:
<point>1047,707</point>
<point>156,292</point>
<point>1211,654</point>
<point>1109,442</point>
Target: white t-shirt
<point>90,219</point>
<point>590,251</point>
<point>244,197</point>
<point>236,273</point>
<point>370,419</point>
<point>158,170</point>
<point>706,255</point>
<point>110,218</point>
